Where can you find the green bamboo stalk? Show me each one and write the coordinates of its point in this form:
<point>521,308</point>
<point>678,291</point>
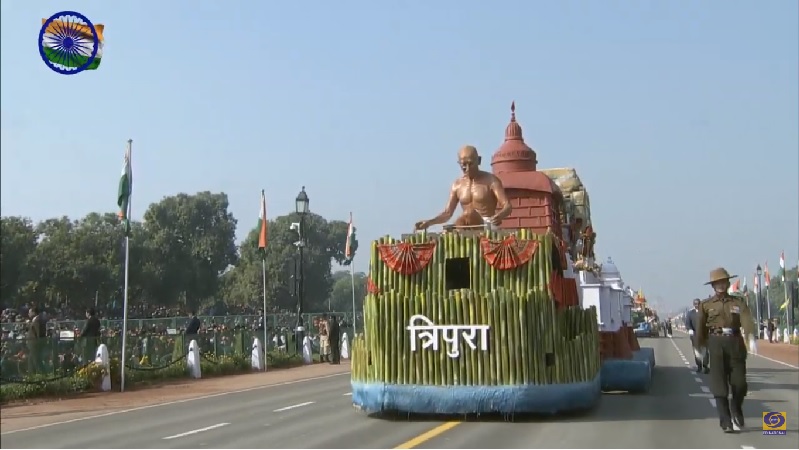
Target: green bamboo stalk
<point>494,368</point>
<point>398,326</point>
<point>474,356</point>
<point>463,362</point>
<point>501,321</point>
<point>523,338</point>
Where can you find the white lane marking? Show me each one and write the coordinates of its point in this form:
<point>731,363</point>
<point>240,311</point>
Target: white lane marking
<point>686,363</point>
<point>746,446</point>
<point>712,402</point>
<point>705,389</point>
<point>698,380</point>
<point>298,405</point>
<point>199,430</point>
<point>176,402</point>
<point>776,361</point>
<point>347,394</point>
<point>701,395</point>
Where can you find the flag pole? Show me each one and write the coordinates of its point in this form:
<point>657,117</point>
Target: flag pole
<point>262,246</point>
<point>263,270</point>
<point>127,275</point>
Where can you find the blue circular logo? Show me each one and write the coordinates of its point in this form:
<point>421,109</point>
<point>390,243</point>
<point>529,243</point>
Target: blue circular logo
<point>773,420</point>
<point>68,42</point>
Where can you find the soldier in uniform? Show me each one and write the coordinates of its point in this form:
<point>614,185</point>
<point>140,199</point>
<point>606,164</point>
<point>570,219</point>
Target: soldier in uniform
<point>721,320</point>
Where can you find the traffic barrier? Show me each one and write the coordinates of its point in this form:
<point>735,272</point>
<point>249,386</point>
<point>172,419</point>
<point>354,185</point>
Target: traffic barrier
<point>307,355</point>
<point>193,360</point>
<point>345,347</point>
<point>101,358</point>
<point>258,359</point>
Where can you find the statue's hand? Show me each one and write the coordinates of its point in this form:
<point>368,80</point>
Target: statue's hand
<point>495,221</point>
<point>421,225</point>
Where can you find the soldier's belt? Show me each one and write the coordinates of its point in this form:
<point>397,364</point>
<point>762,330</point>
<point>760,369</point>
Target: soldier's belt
<point>725,331</point>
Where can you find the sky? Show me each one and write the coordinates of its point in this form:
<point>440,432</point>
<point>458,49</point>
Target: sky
<point>681,117</point>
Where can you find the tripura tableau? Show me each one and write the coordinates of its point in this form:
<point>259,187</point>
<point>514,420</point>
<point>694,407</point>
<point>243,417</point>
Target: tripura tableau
<point>484,316</point>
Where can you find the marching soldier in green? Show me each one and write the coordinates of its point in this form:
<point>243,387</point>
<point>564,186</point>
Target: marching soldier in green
<point>721,320</point>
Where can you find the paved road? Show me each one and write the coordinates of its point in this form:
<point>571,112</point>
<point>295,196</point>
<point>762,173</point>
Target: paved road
<point>677,413</point>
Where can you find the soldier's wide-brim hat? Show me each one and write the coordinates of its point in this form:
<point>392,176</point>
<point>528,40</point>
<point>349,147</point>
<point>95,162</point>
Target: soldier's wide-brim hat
<point>720,274</point>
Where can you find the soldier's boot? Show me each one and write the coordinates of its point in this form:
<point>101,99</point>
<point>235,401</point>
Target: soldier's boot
<point>723,408</point>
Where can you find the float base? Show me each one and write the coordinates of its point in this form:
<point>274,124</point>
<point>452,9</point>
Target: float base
<point>547,399</point>
<point>631,375</point>
<point>645,354</point>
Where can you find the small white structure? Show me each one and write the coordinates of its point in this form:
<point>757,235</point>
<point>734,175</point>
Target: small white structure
<point>193,360</point>
<point>778,334</point>
<point>101,359</point>
<point>786,336</point>
<point>345,347</point>
<point>606,292</point>
<point>306,350</point>
<point>258,358</point>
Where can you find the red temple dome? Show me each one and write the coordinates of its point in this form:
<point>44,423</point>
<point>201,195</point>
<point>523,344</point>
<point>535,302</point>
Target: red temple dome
<point>513,155</point>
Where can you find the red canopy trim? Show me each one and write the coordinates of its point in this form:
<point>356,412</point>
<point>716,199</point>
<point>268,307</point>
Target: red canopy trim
<point>509,253</point>
<point>407,258</point>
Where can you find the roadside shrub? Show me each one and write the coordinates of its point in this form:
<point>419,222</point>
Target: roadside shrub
<point>90,377</point>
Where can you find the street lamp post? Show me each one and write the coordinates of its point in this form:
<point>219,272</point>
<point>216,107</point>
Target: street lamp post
<point>759,299</point>
<point>301,209</point>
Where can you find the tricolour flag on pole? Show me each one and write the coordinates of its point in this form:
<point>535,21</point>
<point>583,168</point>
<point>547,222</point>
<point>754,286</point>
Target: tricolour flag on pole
<point>766,277</point>
<point>350,238</point>
<point>125,189</point>
<point>757,284</point>
<point>735,287</point>
<point>744,287</point>
<point>83,44</point>
<point>782,265</point>
<point>262,231</point>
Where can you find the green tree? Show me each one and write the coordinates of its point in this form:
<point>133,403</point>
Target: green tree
<point>19,240</point>
<point>325,243</point>
<point>776,293</point>
<point>191,240</point>
<point>341,294</point>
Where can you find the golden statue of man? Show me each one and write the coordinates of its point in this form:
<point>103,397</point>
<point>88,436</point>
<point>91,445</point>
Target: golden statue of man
<point>481,195</point>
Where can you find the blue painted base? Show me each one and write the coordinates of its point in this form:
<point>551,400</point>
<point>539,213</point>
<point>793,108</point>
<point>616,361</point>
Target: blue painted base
<point>519,399</point>
<point>631,375</point>
<point>645,354</point>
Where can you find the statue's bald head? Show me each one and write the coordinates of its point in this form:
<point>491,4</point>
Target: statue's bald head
<point>469,160</point>
<point>468,151</point>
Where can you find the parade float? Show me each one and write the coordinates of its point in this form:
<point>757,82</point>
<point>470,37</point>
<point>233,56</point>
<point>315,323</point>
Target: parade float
<point>483,318</point>
<point>625,365</point>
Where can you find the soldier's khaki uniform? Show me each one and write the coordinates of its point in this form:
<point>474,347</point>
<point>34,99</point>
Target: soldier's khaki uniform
<point>723,322</point>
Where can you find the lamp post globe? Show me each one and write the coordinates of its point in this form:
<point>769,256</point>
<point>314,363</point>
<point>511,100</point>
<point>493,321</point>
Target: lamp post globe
<point>302,202</point>
<point>302,207</point>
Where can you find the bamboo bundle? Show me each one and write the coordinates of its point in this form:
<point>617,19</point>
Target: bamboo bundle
<point>517,349</point>
<point>530,341</point>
